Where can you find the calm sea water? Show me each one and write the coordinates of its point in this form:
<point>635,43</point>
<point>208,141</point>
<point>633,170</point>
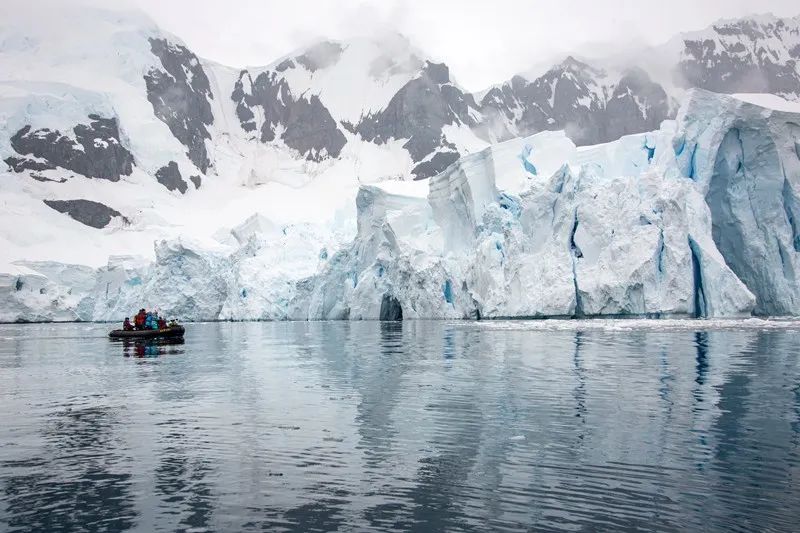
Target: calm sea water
<point>423,426</point>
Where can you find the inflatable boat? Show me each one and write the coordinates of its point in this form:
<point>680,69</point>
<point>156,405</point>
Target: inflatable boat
<point>171,332</point>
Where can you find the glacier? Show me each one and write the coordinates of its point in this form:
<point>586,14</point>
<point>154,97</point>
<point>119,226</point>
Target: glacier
<point>696,219</point>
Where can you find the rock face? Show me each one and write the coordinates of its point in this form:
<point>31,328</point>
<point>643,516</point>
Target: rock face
<point>170,177</point>
<point>305,124</point>
<point>21,164</point>
<point>636,104</point>
<point>95,152</point>
<point>418,112</point>
<point>93,214</point>
<point>180,94</point>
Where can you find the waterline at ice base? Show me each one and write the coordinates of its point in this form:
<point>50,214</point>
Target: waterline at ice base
<point>699,218</point>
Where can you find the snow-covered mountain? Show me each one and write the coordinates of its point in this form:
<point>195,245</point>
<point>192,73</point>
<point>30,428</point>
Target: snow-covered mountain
<point>759,54</point>
<point>115,134</point>
<point>601,99</point>
<point>591,104</point>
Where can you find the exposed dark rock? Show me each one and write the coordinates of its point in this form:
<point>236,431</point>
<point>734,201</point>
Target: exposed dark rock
<point>498,107</point>
<point>170,177</point>
<point>96,151</point>
<point>286,64</point>
<point>308,126</point>
<point>349,126</point>
<point>196,180</point>
<point>93,214</point>
<point>180,95</point>
<point>243,112</point>
<point>418,112</point>
<point>21,164</point>
<point>39,177</point>
<point>311,129</point>
<point>565,97</point>
<point>438,72</point>
<point>321,55</point>
<point>637,104</point>
<point>439,162</point>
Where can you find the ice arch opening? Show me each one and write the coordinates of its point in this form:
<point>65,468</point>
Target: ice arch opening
<point>391,310</point>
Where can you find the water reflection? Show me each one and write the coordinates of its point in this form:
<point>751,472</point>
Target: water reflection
<point>181,482</point>
<point>150,348</point>
<point>579,391</point>
<point>409,426</point>
<point>701,343</point>
<point>78,482</point>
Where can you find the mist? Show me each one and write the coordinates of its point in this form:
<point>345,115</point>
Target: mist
<point>483,42</point>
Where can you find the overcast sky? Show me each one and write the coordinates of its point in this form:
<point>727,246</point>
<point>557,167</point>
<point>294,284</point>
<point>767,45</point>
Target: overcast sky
<point>484,42</point>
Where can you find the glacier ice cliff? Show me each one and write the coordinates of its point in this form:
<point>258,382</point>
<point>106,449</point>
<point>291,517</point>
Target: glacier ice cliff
<point>696,219</point>
<point>745,161</point>
<point>610,232</point>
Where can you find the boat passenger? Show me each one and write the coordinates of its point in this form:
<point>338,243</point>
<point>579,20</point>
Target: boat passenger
<point>162,322</point>
<point>139,319</point>
<point>127,326</point>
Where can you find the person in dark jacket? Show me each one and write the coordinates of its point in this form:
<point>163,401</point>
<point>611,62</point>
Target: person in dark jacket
<point>127,326</point>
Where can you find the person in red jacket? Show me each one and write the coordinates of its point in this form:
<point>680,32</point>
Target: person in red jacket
<point>162,323</point>
<point>138,320</point>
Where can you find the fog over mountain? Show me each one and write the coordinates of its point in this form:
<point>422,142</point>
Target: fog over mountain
<point>482,44</point>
